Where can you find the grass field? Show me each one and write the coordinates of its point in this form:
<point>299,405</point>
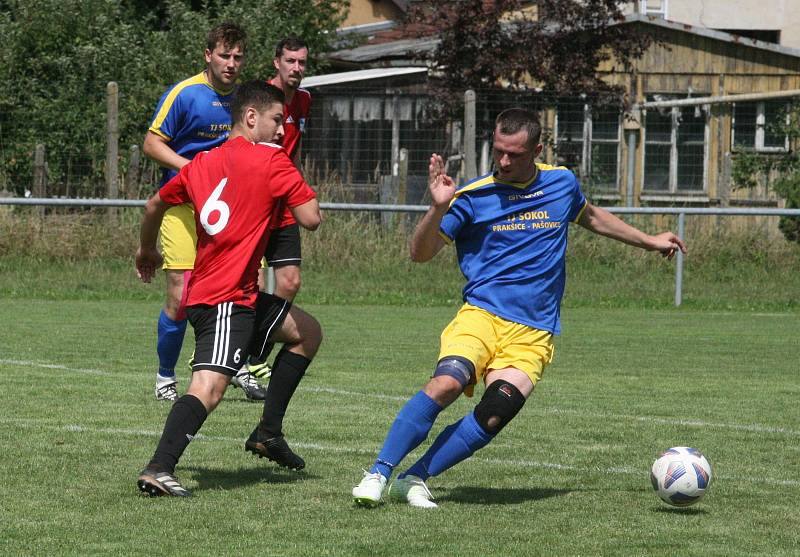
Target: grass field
<point>568,477</point>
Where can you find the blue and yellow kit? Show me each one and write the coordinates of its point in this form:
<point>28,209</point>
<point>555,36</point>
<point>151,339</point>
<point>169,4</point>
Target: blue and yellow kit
<point>193,117</point>
<point>511,241</point>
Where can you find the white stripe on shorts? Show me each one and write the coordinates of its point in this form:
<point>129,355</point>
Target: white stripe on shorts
<point>222,334</point>
<point>272,326</point>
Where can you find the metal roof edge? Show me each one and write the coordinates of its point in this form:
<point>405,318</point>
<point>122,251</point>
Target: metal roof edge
<point>359,75</point>
<point>371,52</point>
<point>367,28</point>
<point>709,33</point>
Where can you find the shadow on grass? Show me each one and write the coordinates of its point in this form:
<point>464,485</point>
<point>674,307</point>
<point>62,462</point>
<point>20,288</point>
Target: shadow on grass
<point>236,396</point>
<point>694,511</point>
<point>499,496</point>
<point>215,478</point>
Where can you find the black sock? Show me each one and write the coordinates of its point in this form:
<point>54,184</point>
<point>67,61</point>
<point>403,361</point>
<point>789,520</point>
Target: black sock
<point>184,421</point>
<point>286,375</point>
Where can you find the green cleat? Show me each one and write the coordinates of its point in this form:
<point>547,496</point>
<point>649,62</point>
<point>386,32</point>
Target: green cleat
<point>259,370</point>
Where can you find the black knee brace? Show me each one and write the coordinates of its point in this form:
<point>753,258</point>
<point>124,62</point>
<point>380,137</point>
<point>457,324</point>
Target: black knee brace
<point>460,369</point>
<point>498,406</point>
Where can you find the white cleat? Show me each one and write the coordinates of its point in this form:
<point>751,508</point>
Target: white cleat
<point>412,490</point>
<point>167,391</point>
<point>369,490</point>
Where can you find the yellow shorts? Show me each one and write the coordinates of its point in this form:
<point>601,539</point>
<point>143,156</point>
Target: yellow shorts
<point>179,238</point>
<point>491,342</point>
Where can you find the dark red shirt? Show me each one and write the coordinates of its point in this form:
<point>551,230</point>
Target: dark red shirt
<point>295,116</point>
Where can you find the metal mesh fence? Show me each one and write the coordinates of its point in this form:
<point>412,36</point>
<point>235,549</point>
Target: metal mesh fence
<point>355,136</point>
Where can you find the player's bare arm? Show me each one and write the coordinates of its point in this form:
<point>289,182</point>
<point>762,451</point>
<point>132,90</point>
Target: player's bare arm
<point>426,241</point>
<point>148,260</point>
<point>157,149</point>
<point>600,221</point>
<point>307,214</point>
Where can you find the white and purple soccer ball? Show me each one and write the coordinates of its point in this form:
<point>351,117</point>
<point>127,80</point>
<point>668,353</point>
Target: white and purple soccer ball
<point>681,476</point>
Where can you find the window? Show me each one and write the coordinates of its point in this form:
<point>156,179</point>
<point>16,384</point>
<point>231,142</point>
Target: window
<point>757,125</point>
<point>587,142</point>
<point>674,150</point>
<point>653,7</point>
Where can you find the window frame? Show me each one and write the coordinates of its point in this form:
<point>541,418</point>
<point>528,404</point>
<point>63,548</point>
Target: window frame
<point>646,11</point>
<point>760,133</point>
<point>672,181</point>
<point>587,141</point>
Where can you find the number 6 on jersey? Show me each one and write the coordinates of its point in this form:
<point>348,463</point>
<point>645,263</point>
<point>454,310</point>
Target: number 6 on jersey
<point>215,204</point>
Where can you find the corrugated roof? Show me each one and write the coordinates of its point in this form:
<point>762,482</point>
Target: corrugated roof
<point>402,52</point>
<point>711,33</point>
<point>405,48</point>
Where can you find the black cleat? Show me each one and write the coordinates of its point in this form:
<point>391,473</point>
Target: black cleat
<point>247,382</point>
<point>156,484</point>
<point>275,449</point>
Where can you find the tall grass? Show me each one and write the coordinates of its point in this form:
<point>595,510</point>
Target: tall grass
<point>735,262</point>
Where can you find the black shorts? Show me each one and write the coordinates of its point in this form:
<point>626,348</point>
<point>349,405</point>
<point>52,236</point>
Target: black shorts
<point>227,333</point>
<point>283,247</point>
<point>271,311</point>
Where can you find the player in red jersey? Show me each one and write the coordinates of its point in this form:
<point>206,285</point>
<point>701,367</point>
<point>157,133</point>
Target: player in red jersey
<point>291,58</point>
<point>283,253</point>
<point>235,189</point>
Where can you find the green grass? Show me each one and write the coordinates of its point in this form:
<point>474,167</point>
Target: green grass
<point>568,477</point>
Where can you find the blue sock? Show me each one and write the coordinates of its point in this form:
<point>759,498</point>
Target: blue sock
<point>170,340</point>
<point>410,428</point>
<point>455,443</point>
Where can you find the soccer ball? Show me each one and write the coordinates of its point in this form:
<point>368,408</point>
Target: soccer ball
<point>681,476</point>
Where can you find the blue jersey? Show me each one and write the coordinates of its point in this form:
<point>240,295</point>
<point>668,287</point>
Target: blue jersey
<point>193,117</point>
<point>511,241</point>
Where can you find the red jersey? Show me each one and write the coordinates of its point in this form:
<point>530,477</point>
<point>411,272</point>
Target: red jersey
<point>235,189</point>
<point>295,115</point>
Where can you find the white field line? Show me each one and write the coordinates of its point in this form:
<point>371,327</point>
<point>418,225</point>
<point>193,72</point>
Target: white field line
<point>26,363</point>
<point>753,428</point>
<point>29,363</point>
<point>515,463</point>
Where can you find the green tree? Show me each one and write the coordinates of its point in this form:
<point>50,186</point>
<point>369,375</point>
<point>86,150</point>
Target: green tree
<point>59,55</point>
<point>556,47</point>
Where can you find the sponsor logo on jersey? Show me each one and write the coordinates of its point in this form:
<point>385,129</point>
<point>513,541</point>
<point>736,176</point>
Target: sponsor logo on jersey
<point>516,196</point>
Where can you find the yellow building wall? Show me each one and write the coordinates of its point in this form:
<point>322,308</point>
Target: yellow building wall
<point>363,12</point>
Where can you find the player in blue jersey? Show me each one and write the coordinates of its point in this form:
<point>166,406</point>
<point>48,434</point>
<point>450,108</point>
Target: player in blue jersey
<point>510,232</point>
<point>192,116</point>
